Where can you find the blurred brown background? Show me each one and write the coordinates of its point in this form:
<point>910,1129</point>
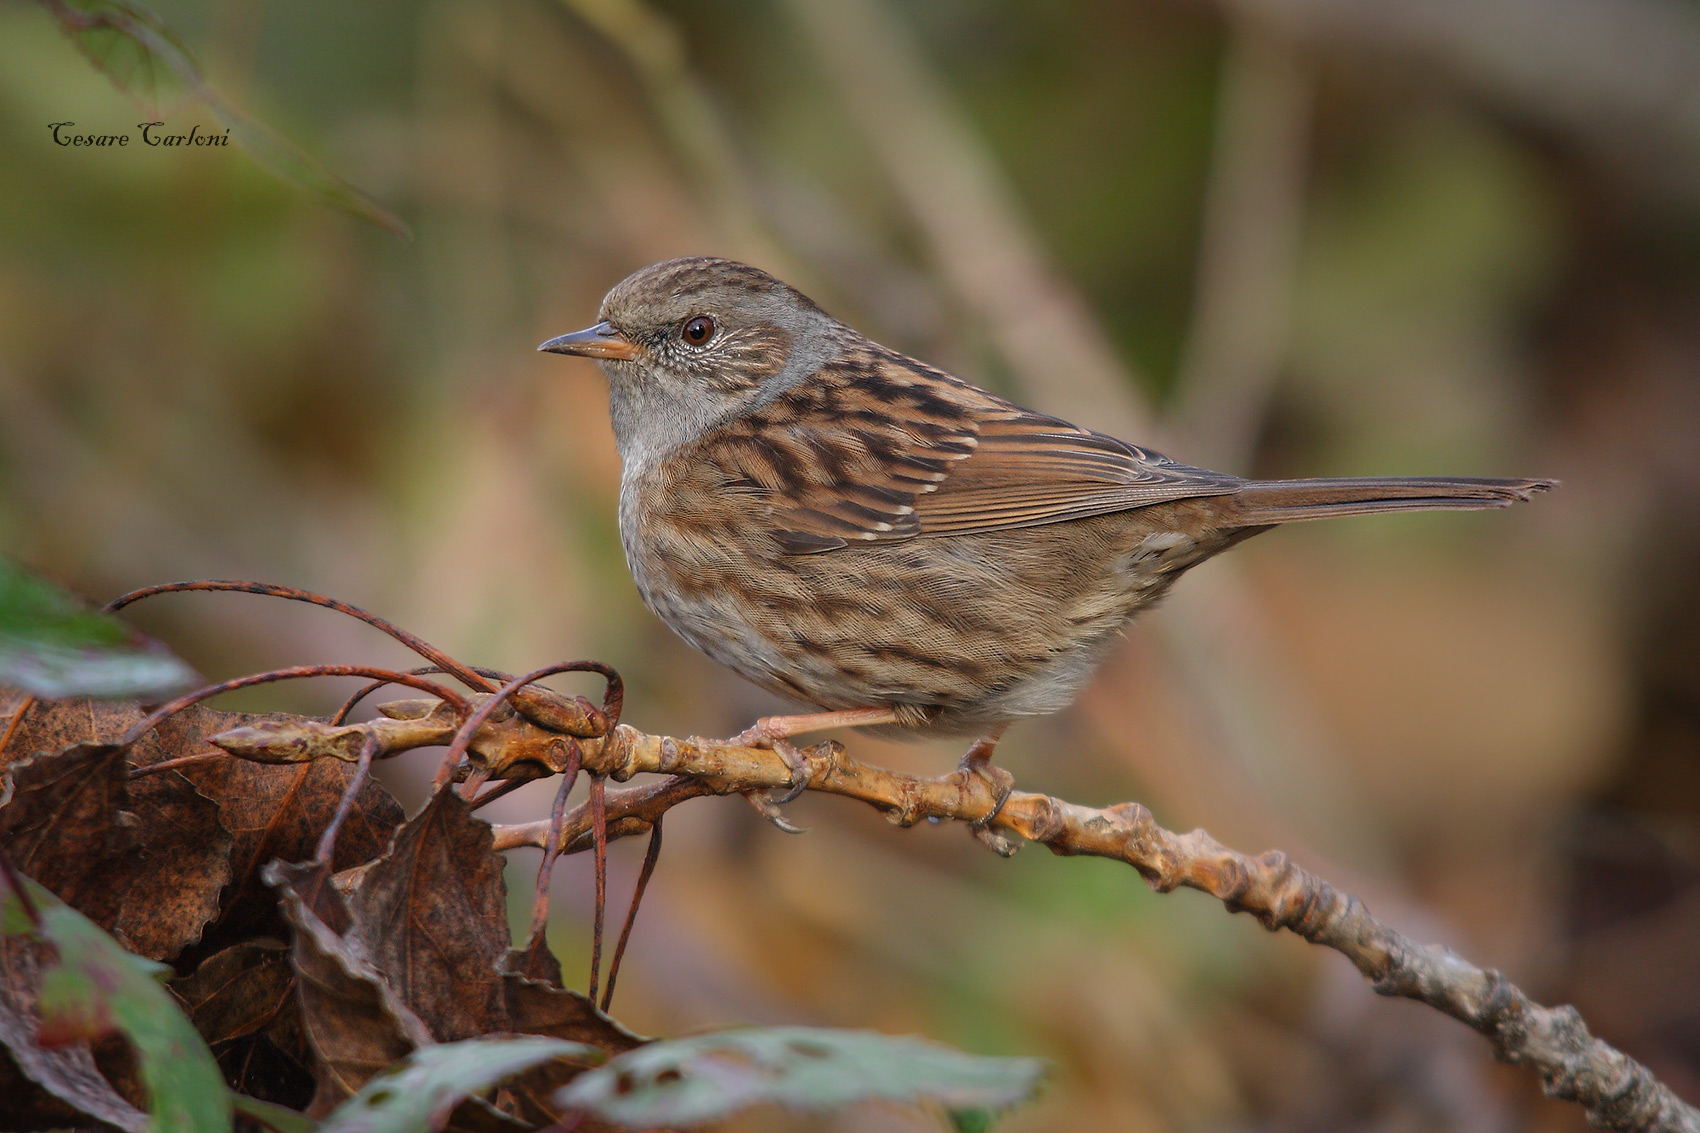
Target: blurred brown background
<point>1281,237</point>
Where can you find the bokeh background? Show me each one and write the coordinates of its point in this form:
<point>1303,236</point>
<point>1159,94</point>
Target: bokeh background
<point>1281,237</point>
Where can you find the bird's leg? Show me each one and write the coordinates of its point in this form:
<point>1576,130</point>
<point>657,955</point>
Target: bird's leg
<point>770,728</point>
<point>977,763</point>
<point>775,732</point>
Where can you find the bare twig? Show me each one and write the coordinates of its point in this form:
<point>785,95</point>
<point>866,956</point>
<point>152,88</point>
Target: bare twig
<point>598,804</point>
<point>349,705</point>
<point>425,649</point>
<point>552,850</point>
<point>651,855</point>
<point>17,719</point>
<point>1618,1092</point>
<point>345,806</point>
<point>297,672</point>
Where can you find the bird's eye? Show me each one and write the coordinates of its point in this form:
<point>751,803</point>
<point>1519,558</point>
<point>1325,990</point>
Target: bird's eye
<point>698,330</point>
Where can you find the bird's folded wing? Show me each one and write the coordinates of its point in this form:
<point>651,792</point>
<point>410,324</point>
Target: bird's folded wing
<point>870,454</point>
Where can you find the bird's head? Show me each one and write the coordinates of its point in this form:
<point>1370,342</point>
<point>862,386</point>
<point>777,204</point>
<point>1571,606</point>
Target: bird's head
<point>688,344</point>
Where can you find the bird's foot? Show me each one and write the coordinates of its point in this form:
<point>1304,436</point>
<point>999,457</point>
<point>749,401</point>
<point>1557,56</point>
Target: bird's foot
<point>799,766</point>
<point>977,764</point>
<point>767,803</point>
<point>774,732</point>
<point>769,809</point>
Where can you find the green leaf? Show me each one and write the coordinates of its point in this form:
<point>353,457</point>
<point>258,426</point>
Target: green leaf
<point>97,987</point>
<point>709,1077</point>
<point>133,47</point>
<point>53,646</point>
<point>972,1120</point>
<point>272,1116</point>
<point>421,1090</point>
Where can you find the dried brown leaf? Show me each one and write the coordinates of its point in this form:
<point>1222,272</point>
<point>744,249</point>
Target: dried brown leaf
<point>238,991</point>
<point>353,1021</point>
<point>535,961</point>
<point>278,812</point>
<point>538,1005</point>
<point>269,811</point>
<point>242,1000</point>
<point>53,725</point>
<point>431,915</point>
<point>146,861</point>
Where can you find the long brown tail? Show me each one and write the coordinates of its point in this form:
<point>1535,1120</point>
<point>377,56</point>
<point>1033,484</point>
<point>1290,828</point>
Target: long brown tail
<point>1282,501</point>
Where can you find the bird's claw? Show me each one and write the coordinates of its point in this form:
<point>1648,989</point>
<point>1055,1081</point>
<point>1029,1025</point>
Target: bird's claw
<point>1001,784</point>
<point>769,810</point>
<point>999,843</point>
<point>799,765</point>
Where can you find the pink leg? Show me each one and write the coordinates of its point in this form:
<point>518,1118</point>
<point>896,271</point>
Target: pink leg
<point>770,728</point>
<point>774,732</point>
<point>979,756</point>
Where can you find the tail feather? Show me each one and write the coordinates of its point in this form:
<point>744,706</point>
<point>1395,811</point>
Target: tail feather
<point>1282,501</point>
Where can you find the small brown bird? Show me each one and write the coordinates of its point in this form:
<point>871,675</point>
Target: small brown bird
<point>857,530</point>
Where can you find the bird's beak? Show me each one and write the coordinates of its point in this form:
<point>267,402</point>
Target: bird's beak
<point>599,341</point>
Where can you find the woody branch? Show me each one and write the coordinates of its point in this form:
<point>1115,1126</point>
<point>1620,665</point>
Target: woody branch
<point>1617,1092</point>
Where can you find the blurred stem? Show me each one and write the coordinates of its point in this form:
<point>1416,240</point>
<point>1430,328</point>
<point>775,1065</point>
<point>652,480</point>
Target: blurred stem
<point>968,215</point>
<point>1253,216</point>
<point>655,51</point>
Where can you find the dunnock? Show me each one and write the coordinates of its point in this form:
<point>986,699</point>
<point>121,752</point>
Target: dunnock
<point>849,527</point>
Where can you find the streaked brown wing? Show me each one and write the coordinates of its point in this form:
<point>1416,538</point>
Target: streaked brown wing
<point>881,449</point>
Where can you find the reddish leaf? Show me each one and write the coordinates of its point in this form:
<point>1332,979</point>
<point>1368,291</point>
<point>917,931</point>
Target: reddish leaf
<point>95,985</point>
<point>66,1072</point>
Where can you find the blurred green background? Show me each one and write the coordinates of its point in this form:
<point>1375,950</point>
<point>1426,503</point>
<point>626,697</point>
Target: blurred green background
<point>1280,237</point>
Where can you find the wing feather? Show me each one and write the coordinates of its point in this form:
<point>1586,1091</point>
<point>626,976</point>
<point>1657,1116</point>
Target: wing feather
<point>878,448</point>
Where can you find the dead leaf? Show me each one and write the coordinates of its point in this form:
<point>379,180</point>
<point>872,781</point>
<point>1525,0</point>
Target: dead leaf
<point>242,1001</point>
<point>238,991</point>
<point>354,1023</point>
<point>431,915</point>
<point>269,811</point>
<point>536,1007</point>
<point>535,961</point>
<point>146,861</point>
